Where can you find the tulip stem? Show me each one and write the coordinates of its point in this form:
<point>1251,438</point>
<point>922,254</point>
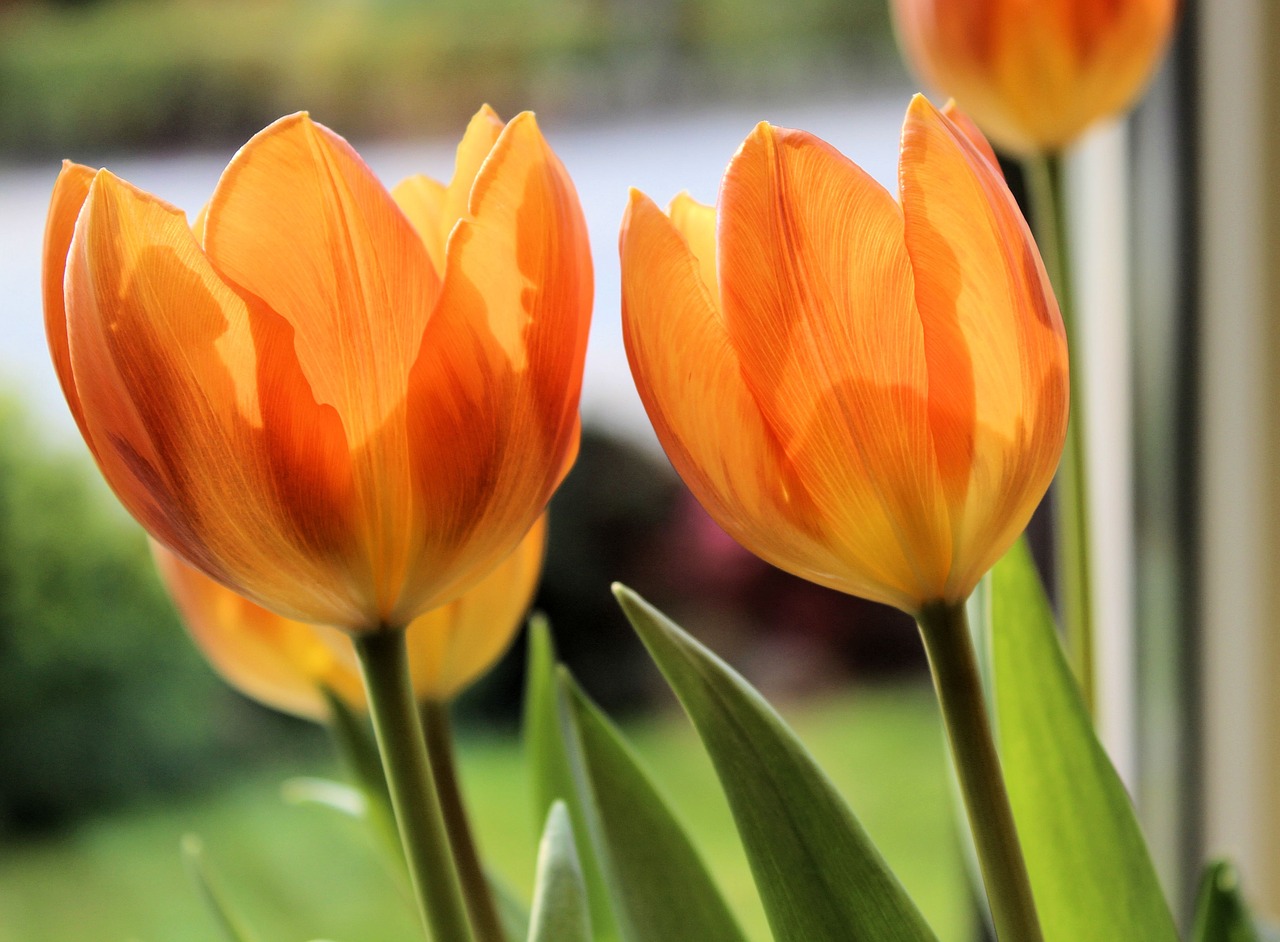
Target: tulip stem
<point>476,889</point>
<point>384,661</point>
<point>1044,176</point>
<point>945,631</point>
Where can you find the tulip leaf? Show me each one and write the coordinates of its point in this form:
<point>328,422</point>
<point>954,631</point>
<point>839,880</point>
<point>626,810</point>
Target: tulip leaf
<point>1091,872</point>
<point>1221,912</point>
<point>552,772</point>
<point>560,909</point>
<point>232,929</point>
<point>513,914</point>
<point>325,793</point>
<point>818,874</point>
<point>659,881</point>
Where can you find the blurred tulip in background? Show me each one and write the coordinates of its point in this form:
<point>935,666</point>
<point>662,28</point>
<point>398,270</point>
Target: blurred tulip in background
<point>285,663</point>
<point>1035,74</point>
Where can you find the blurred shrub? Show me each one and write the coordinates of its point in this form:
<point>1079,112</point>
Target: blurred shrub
<point>127,73</point>
<point>102,698</point>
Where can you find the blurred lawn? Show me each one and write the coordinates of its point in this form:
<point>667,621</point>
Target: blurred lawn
<point>303,873</point>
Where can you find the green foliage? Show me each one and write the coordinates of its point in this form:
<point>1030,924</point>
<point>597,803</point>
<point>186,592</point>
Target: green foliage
<point>304,872</point>
<point>659,878</point>
<point>548,747</point>
<point>819,876</point>
<point>211,892</point>
<point>1221,912</point>
<point>560,910</point>
<point>102,697</point>
<point>651,883</point>
<point>1090,869</point>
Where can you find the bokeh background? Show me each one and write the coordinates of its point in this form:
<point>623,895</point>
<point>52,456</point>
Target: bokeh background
<point>116,739</point>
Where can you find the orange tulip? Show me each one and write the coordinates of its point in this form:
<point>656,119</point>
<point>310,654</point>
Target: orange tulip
<point>275,660</point>
<point>1036,73</point>
<point>285,663</point>
<point>345,404</point>
<point>870,396</point>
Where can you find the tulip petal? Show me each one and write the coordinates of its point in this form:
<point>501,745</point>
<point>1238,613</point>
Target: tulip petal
<point>275,660</point>
<point>819,303</point>
<point>300,221</point>
<point>706,417</point>
<point>451,646</point>
<point>993,336</point>
<point>965,125</point>
<point>477,143</point>
<point>696,222</point>
<point>493,397</point>
<point>1035,75</point>
<point>422,200</point>
<point>69,194</point>
<point>195,409</point>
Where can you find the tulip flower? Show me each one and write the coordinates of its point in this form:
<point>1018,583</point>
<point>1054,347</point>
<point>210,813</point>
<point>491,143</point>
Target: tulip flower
<point>285,663</point>
<point>279,662</point>
<point>869,395</point>
<point>1035,74</point>
<point>344,403</point>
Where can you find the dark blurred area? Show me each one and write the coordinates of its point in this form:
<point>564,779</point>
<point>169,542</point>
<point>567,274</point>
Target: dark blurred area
<point>74,72</point>
<point>103,701</point>
<point>102,698</point>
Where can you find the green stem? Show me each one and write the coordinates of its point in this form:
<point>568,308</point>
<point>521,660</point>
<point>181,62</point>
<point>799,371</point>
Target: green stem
<point>1044,176</point>
<point>384,661</point>
<point>945,631</point>
<point>444,768</point>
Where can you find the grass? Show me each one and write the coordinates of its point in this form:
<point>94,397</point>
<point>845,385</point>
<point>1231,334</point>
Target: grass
<point>298,873</point>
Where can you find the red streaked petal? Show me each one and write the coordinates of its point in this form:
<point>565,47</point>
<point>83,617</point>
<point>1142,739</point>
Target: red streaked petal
<point>965,125</point>
<point>690,379</point>
<point>993,336</point>
<point>175,373</point>
<point>494,395</point>
<point>69,193</point>
<point>300,221</point>
<point>819,303</point>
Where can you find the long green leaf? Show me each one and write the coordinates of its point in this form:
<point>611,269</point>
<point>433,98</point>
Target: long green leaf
<point>512,912</point>
<point>1090,869</point>
<point>659,881</point>
<point>552,773</point>
<point>819,876</point>
<point>560,909</point>
<point>1221,912</point>
<point>229,924</point>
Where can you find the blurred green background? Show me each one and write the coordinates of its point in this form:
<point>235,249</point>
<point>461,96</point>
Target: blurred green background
<point>88,75</point>
<point>115,737</point>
